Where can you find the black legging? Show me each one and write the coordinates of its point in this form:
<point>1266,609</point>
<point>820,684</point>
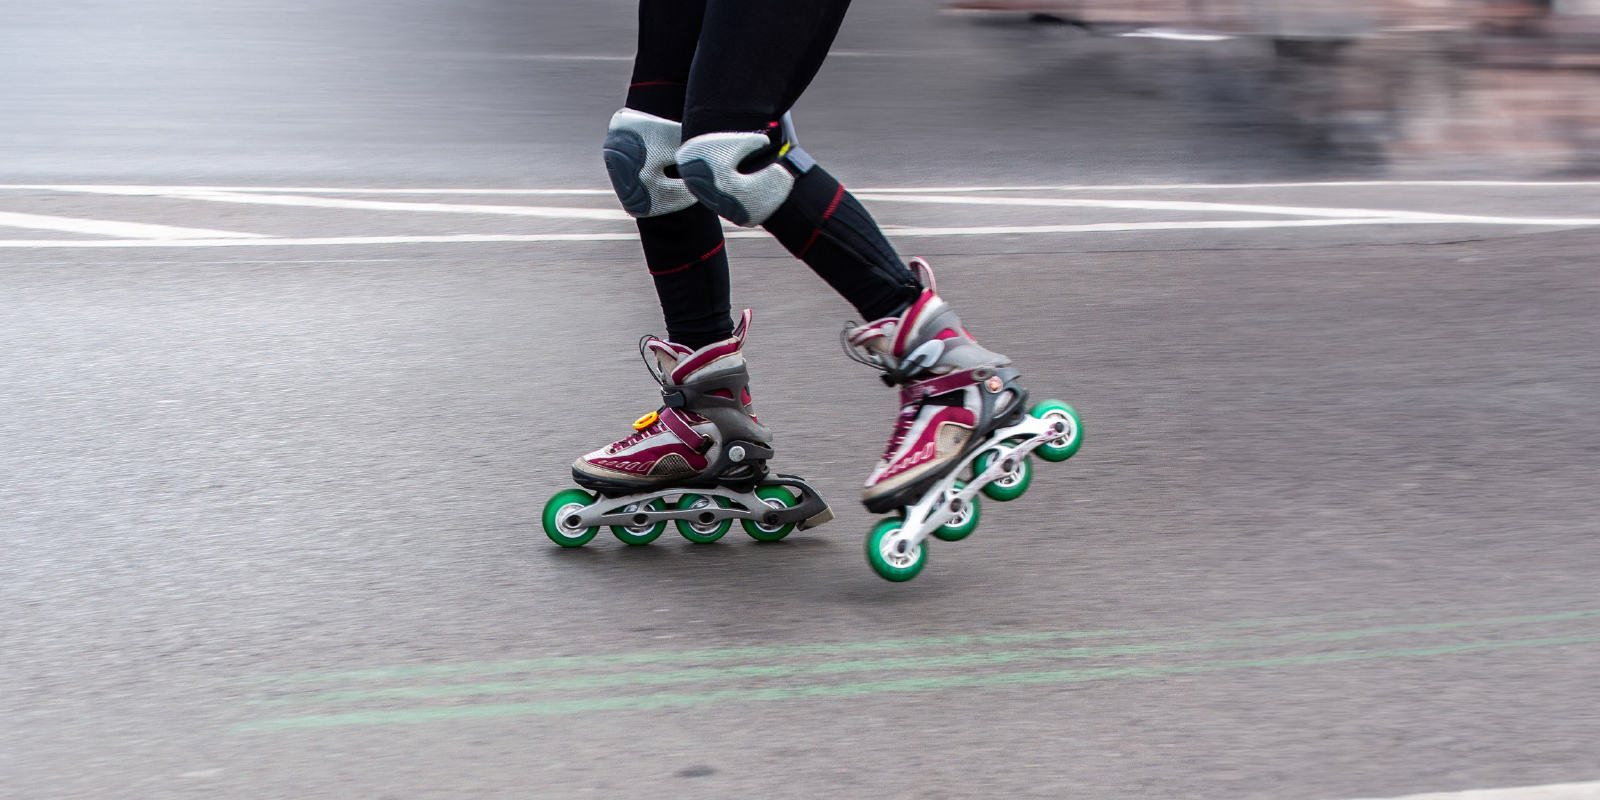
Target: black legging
<point>739,65</point>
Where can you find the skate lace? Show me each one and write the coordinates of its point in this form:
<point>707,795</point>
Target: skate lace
<point>902,426</point>
<point>637,437</point>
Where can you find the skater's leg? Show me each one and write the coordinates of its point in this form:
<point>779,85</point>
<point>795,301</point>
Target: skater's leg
<point>682,239</point>
<point>755,58</point>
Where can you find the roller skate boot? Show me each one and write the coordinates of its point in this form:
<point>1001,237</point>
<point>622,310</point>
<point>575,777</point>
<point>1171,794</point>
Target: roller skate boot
<point>964,427</point>
<point>703,446</point>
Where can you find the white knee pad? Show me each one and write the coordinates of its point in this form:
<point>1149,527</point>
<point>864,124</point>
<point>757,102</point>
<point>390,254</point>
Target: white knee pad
<point>709,165</point>
<point>639,148</point>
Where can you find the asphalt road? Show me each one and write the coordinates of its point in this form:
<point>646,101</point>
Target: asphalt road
<point>269,523</point>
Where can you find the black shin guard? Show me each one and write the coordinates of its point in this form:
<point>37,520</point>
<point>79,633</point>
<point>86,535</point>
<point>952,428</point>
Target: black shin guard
<point>689,262</point>
<point>826,227</point>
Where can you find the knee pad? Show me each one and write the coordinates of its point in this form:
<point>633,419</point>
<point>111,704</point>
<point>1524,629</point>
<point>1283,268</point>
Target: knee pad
<point>711,167</point>
<point>639,152</point>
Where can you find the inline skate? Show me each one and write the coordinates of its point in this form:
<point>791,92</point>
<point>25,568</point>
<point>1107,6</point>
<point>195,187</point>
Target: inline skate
<point>703,446</point>
<point>964,428</point>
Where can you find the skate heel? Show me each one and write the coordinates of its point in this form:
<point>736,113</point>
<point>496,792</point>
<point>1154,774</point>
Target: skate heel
<point>1000,469</point>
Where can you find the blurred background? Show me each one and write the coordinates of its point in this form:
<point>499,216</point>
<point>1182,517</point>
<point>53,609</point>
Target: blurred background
<point>1147,88</point>
<point>307,305</point>
<point>1417,86</point>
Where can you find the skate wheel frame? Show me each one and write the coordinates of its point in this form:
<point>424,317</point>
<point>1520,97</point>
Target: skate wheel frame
<point>1001,469</point>
<point>769,512</point>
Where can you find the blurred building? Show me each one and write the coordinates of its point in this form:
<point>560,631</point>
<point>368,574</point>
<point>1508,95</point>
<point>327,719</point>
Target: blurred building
<point>1423,85</point>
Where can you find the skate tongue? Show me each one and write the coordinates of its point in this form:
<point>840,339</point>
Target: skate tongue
<point>876,336</point>
<point>924,272</point>
<point>667,354</point>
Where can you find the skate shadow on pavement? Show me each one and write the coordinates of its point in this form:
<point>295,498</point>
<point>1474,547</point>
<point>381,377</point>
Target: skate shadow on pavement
<point>809,570</point>
<point>746,555</point>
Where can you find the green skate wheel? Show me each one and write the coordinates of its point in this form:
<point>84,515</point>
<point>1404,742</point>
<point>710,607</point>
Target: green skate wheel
<point>566,503</point>
<point>641,534</point>
<point>1010,485</point>
<point>776,497</point>
<point>963,523</point>
<point>888,554</point>
<point>702,532</point>
<point>1062,448</point>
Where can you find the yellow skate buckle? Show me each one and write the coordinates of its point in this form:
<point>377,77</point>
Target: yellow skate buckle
<point>646,421</point>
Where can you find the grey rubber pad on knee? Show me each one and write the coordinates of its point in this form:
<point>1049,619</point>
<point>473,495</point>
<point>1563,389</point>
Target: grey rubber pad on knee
<point>639,148</point>
<point>709,165</point>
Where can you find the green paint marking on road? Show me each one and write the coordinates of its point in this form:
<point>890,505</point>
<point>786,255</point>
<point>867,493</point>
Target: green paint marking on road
<point>922,684</point>
<point>557,663</point>
<point>964,660</point>
<point>671,657</point>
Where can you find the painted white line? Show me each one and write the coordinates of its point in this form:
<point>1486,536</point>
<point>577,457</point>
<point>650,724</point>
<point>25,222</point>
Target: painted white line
<point>551,212</point>
<point>107,227</point>
<point>1182,205</point>
<point>1555,791</point>
<point>1176,36</point>
<point>157,190</point>
<point>473,238</point>
<point>559,57</point>
<point>1119,227</point>
<point>1075,187</point>
<point>465,238</point>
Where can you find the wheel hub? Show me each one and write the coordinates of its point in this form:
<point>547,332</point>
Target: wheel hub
<point>570,520</point>
<point>899,553</point>
<point>641,523</point>
<point>705,521</point>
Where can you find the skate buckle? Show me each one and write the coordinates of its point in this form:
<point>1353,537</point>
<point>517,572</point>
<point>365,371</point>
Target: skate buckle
<point>646,421</point>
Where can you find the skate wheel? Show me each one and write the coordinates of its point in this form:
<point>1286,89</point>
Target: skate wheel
<point>643,533</point>
<point>558,509</point>
<point>1011,483</point>
<point>776,497</point>
<point>1061,448</point>
<point>702,532</point>
<point>892,555</point>
<point>963,523</point>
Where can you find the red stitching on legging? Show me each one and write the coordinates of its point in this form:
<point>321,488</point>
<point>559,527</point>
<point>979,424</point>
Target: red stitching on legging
<point>832,207</point>
<point>700,260</point>
<point>654,83</point>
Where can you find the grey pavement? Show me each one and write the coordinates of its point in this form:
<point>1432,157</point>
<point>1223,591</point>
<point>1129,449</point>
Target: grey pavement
<point>269,523</point>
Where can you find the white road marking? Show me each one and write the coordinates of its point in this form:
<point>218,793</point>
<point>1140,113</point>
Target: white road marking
<point>559,57</point>
<point>1555,791</point>
<point>107,227</point>
<point>156,190</point>
<point>1118,227</point>
<point>552,212</point>
<point>1074,187</point>
<point>473,238</point>
<point>1184,205</point>
<point>142,235</point>
<point>1176,36</point>
<point>991,230</point>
